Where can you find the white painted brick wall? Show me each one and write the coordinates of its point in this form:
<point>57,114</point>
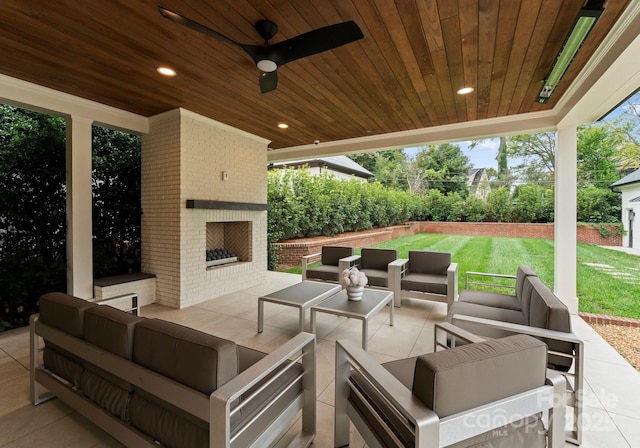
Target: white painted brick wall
<point>183,158</point>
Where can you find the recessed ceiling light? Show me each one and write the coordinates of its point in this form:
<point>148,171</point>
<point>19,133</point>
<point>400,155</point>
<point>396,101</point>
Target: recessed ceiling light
<point>283,125</point>
<point>465,90</point>
<point>166,71</point>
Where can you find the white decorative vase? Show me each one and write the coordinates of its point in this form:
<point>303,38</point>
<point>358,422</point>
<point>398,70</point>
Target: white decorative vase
<point>354,293</point>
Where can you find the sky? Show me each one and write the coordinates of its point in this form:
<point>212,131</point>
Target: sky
<point>484,154</point>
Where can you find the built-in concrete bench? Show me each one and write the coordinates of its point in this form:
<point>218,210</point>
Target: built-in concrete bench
<point>140,284</point>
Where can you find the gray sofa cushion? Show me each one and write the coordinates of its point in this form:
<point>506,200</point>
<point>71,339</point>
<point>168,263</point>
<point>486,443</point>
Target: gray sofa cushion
<point>518,301</point>
<point>547,311</point>
<point>377,277</point>
<point>196,359</point>
<point>455,380</point>
<point>331,255</point>
<point>111,330</point>
<point>485,312</point>
<point>65,313</point>
<point>193,358</point>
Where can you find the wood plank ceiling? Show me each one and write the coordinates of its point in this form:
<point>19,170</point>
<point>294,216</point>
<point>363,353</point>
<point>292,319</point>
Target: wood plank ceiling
<point>403,75</point>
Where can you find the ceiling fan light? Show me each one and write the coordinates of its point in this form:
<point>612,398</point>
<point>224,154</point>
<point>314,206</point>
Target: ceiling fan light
<point>267,66</point>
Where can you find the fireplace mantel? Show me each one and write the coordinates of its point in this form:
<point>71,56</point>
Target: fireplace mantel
<point>221,205</point>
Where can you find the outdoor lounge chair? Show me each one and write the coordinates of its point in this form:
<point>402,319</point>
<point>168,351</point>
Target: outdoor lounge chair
<point>425,275</point>
<point>329,268</point>
<point>375,263</point>
<point>489,393</point>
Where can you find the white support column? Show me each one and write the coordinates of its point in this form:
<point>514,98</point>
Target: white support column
<point>79,204</point>
<point>565,217</point>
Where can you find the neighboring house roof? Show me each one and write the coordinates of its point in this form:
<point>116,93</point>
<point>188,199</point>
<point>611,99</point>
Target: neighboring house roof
<point>632,178</point>
<point>475,177</point>
<point>635,199</point>
<point>337,163</point>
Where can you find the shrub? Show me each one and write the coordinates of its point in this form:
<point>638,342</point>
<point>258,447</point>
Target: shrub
<point>500,205</point>
<point>474,209</point>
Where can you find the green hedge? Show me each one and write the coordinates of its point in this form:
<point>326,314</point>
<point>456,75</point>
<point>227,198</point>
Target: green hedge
<point>307,205</point>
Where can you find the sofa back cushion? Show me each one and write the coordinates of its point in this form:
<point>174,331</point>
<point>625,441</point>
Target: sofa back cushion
<point>65,313</point>
<point>547,311</point>
<point>427,262</point>
<point>377,258</point>
<point>331,255</point>
<point>465,377</point>
<point>111,330</point>
<point>524,271</point>
<point>196,359</point>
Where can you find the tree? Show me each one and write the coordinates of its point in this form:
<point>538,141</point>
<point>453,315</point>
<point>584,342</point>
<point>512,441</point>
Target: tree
<point>597,159</point>
<point>537,153</point>
<point>443,167</point>
<point>389,167</point>
<point>116,202</point>
<point>627,125</point>
<point>32,211</point>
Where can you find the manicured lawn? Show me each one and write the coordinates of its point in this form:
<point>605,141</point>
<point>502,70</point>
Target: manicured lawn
<point>608,281</point>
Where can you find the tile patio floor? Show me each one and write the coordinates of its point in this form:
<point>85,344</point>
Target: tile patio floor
<point>612,413</point>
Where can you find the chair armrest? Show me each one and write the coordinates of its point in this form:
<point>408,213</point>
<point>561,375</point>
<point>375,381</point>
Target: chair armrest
<point>349,354</point>
<point>353,260</point>
<point>305,263</point>
<point>467,282</point>
<point>449,330</point>
<point>306,258</point>
<point>222,399</point>
<point>518,328</point>
<point>452,284</point>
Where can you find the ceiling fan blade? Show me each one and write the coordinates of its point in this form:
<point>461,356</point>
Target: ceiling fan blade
<point>175,17</point>
<point>268,81</point>
<point>313,42</point>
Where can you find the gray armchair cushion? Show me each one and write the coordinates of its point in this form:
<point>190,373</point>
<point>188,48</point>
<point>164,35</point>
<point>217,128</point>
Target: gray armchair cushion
<point>428,262</point>
<point>435,284</point>
<point>377,259</point>
<point>455,380</point>
<point>331,255</point>
<point>375,264</point>
<point>528,432</point>
<point>324,272</point>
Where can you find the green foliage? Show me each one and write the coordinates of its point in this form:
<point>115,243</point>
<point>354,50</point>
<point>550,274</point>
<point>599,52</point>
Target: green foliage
<point>33,208</point>
<point>303,205</point>
<point>529,203</point>
<point>597,162</point>
<point>500,205</point>
<point>474,209</point>
<point>598,205</point>
<point>443,167</point>
<point>32,211</point>
<point>116,203</point>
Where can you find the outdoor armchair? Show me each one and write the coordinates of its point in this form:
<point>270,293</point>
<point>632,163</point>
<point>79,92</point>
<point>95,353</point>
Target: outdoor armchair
<point>425,275</point>
<point>490,393</point>
<point>329,268</point>
<point>376,264</point>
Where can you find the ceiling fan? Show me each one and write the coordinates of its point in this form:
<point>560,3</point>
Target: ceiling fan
<point>268,57</point>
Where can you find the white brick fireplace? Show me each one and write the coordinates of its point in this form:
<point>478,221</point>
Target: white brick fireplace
<point>198,174</point>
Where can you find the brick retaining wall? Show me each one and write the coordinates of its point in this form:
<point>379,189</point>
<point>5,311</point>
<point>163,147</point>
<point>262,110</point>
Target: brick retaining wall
<point>292,250</point>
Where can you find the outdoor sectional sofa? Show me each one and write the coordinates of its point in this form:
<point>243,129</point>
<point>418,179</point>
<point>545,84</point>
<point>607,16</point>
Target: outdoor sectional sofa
<point>149,382</point>
<point>534,310</point>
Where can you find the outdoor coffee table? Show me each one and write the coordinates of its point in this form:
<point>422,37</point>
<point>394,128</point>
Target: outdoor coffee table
<point>373,300</point>
<point>301,295</point>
